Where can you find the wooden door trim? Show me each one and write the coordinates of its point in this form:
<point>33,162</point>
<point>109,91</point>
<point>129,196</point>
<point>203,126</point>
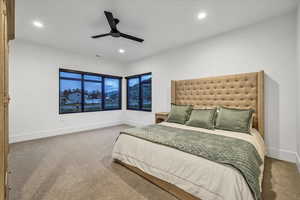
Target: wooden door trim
<point>7,32</point>
<point>10,6</point>
<point>2,128</point>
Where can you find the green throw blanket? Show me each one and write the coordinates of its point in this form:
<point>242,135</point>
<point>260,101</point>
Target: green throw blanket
<point>237,153</point>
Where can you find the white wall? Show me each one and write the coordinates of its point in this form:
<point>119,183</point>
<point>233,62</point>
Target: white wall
<point>268,46</point>
<point>34,92</point>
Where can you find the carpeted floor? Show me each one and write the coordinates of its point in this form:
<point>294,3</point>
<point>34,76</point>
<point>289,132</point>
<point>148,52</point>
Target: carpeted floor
<point>79,167</point>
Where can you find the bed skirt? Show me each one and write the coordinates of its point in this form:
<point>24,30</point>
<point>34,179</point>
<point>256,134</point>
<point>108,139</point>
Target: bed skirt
<point>168,187</point>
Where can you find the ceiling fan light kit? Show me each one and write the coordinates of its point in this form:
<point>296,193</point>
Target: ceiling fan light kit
<point>114,31</point>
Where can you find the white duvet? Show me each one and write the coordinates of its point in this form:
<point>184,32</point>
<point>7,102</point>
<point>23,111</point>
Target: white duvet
<point>198,176</point>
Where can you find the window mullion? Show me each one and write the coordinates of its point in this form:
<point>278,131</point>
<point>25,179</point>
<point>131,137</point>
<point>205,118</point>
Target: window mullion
<point>140,93</point>
<point>127,93</point>
<point>82,93</point>
<point>103,93</point>
<point>120,93</point>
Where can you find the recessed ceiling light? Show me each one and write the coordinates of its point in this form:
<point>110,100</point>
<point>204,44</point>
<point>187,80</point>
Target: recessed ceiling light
<point>121,51</point>
<point>38,24</point>
<point>202,15</point>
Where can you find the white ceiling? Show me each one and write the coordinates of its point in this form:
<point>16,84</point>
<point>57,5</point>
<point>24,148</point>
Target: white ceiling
<point>164,24</point>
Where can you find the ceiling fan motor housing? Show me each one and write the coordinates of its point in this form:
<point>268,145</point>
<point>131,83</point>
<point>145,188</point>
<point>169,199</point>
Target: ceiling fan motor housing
<point>116,20</point>
<point>115,33</point>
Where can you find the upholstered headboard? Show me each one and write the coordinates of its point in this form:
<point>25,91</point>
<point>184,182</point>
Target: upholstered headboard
<point>235,91</point>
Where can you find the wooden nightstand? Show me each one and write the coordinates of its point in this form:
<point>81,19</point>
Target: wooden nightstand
<point>161,116</point>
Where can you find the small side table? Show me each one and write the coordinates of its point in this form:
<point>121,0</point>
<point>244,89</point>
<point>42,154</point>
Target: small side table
<point>161,117</point>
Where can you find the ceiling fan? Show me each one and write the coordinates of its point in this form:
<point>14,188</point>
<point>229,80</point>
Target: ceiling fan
<point>114,31</point>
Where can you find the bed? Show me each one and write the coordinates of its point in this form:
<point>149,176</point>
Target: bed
<point>191,177</point>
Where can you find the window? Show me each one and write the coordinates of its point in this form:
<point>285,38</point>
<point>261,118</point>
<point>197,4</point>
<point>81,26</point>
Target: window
<point>139,92</point>
<point>88,92</point>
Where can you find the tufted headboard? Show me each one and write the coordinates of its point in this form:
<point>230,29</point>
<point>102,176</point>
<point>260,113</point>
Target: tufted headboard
<point>234,91</point>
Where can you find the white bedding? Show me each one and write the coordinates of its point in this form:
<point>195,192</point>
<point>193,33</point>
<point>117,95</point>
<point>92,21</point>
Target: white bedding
<point>198,176</point>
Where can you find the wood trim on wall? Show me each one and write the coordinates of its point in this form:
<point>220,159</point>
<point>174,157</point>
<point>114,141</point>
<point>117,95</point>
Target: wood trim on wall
<point>6,96</point>
<point>7,32</point>
<point>3,156</point>
<point>10,5</point>
<point>2,170</point>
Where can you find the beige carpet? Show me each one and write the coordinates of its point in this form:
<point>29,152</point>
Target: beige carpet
<point>79,167</point>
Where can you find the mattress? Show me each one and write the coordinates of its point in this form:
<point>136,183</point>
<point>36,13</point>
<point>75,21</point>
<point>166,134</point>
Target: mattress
<point>198,176</point>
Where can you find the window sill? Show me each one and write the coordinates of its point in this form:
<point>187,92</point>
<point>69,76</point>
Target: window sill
<point>138,110</point>
<point>90,111</point>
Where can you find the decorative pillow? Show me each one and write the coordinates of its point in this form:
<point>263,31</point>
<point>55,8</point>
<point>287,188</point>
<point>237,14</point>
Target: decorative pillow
<point>251,121</point>
<point>238,120</point>
<point>179,114</point>
<point>203,118</point>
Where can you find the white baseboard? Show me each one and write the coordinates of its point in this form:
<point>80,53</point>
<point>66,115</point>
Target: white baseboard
<point>135,123</point>
<point>281,154</point>
<point>298,162</point>
<point>20,137</point>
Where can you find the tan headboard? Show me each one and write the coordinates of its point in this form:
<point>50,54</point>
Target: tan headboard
<point>234,91</point>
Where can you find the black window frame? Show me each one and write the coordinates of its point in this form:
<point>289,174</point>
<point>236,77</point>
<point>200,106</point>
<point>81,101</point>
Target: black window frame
<point>82,73</point>
<point>139,76</point>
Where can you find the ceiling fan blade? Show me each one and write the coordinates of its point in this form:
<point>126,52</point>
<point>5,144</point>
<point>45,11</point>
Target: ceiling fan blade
<point>102,35</point>
<point>111,20</point>
<point>131,37</point>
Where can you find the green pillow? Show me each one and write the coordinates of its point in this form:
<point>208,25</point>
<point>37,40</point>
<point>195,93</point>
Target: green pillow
<point>236,120</point>
<point>179,114</point>
<point>203,118</point>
